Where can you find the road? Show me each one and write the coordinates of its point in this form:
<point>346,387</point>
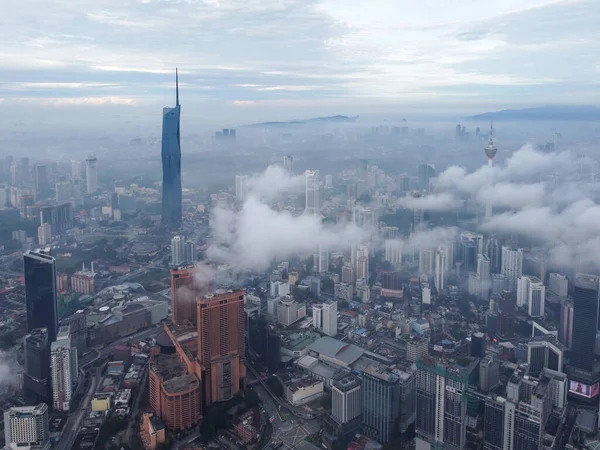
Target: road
<point>73,424</point>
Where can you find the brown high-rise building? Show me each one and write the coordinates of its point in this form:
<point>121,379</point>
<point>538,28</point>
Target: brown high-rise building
<point>221,348</point>
<point>187,283</point>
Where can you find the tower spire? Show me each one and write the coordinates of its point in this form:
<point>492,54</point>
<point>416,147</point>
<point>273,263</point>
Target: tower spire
<point>491,129</point>
<point>176,87</point>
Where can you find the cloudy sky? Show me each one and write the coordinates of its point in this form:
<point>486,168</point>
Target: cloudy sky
<point>293,56</point>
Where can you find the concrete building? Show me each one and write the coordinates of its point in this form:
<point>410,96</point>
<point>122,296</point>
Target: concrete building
<point>393,251</point>
<point>531,295</point>
<point>426,261</point>
<point>304,391</point>
<point>346,399</point>
<point>177,251</point>
<point>381,403</point>
<point>63,363</point>
<point>330,319</point>
<point>312,192</point>
<point>153,432</point>
<point>45,234</point>
<point>289,311</point>
<point>84,281</point>
<point>512,266</point>
<point>317,311</point>
<point>241,188</point>
<point>26,428</point>
<point>91,173</point>
<point>558,284</point>
<point>343,291</point>
<point>565,331</point>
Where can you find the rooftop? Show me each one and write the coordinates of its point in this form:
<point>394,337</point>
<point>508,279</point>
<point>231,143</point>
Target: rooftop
<point>181,383</point>
<point>335,349</point>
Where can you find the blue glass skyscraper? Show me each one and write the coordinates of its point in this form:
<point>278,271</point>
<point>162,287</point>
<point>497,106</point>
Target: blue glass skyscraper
<point>171,164</point>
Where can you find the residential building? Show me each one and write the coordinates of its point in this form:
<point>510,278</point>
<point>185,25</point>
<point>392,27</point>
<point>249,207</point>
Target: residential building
<point>346,399</point>
<point>63,363</point>
<point>26,428</point>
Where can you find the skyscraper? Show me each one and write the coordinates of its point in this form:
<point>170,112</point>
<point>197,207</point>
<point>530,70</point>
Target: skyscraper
<point>63,362</point>
<point>490,152</point>
<point>512,266</point>
<point>381,403</point>
<point>177,251</point>
<point>585,321</point>
<point>41,178</point>
<point>37,364</point>
<point>221,345</point>
<point>346,399</point>
<point>312,192</point>
<point>330,319</point>
<point>531,295</point>
<point>171,163</point>
<point>40,292</point>
<point>565,332</point>
<point>91,174</point>
<point>288,164</point>
<point>241,182</point>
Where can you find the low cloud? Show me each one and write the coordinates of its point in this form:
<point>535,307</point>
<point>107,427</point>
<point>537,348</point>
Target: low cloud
<point>434,202</point>
<point>273,181</point>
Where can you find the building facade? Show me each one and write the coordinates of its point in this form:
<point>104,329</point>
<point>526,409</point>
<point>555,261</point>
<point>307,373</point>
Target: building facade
<point>40,292</point>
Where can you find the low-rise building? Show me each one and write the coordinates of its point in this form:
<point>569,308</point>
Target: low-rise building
<point>304,391</point>
<point>153,431</point>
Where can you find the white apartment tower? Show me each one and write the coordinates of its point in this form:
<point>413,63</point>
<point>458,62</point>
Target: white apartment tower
<point>393,251</point>
<point>346,399</point>
<point>440,268</point>
<point>531,295</point>
<point>177,251</point>
<point>330,319</point>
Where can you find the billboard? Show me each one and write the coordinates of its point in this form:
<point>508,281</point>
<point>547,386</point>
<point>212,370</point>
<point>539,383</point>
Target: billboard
<point>583,389</point>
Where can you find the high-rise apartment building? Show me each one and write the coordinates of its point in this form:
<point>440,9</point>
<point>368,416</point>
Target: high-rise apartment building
<point>531,295</point>
<point>348,273</point>
<point>191,254</point>
<point>60,218</point>
<point>76,170</point>
<point>44,234</point>
<point>330,319</point>
<point>37,363</point>
<point>221,346</point>
<point>289,311</point>
<point>381,403</point>
<point>321,259</point>
<point>441,403</point>
<point>312,192</point>
<point>41,178</point>
<point>64,191</point>
<point>317,312</point>
<point>241,188</point>
<point>177,251</point>
<point>63,362</point>
<point>91,175</point>
<point>40,292</point>
<point>440,268</point>
<point>187,284</point>
<point>393,251</point>
<point>493,252</point>
<point>346,399</point>
<point>26,427</point>
<point>171,164</point>
<point>558,284</point>
<point>512,266</point>
<point>585,321</point>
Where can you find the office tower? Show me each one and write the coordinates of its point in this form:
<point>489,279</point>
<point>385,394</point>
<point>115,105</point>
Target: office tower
<point>76,170</point>
<point>531,295</point>
<point>330,319</point>
<point>329,181</point>
<point>530,416</point>
<point>426,261</point>
<point>393,251</point>
<point>480,282</point>
<point>317,311</point>
<point>492,251</point>
<point>288,164</point>
<point>363,217</point>
<point>585,321</point>
<point>191,254</point>
<point>406,380</point>
<point>426,173</point>
<point>40,292</point>
<point>545,352</point>
<point>565,332</point>
<point>441,403</point>
<point>381,403</point>
<point>290,311</point>
<point>78,325</point>
<point>221,346</point>
<point>312,192</point>
<point>558,284</point>
<point>490,152</point>
<point>171,164</point>
<point>60,217</point>
<point>362,267</point>
<point>512,266</point>
<point>489,374</point>
<point>241,188</point>
<point>389,233</point>
<point>15,175</point>
<point>26,427</point>
<point>41,178</point>
<point>63,362</point>
<point>177,251</point>
<point>497,411</point>
<point>348,273</point>
<point>346,399</point>
<point>477,348</point>
<point>91,175</point>
<point>37,364</point>
<point>114,200</point>
<point>24,169</point>
<point>45,234</point>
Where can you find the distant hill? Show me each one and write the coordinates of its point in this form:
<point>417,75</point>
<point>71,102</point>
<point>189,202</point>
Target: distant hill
<point>334,119</point>
<point>583,113</point>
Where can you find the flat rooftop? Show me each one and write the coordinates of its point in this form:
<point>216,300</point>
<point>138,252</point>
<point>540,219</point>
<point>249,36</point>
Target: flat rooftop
<point>180,384</point>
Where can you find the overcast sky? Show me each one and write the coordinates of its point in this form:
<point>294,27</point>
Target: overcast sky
<point>289,58</point>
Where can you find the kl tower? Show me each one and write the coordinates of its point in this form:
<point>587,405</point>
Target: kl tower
<point>490,152</point>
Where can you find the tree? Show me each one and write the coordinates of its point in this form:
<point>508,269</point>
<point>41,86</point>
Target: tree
<point>251,398</point>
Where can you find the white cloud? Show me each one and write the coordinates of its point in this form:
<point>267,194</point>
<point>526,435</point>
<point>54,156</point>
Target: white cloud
<point>434,202</point>
<point>273,181</point>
